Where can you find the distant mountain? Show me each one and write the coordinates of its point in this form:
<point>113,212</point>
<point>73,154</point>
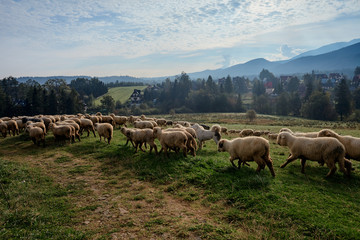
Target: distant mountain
<point>343,60</point>
<point>68,79</point>
<point>327,48</point>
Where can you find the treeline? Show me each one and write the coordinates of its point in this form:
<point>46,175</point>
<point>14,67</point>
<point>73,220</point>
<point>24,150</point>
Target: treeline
<point>303,97</point>
<point>123,84</point>
<point>55,96</point>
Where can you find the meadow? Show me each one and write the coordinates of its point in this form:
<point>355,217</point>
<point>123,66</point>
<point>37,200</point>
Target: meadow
<point>121,94</point>
<point>92,190</point>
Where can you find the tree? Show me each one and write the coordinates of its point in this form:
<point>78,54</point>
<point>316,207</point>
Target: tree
<point>293,84</point>
<point>357,71</point>
<point>282,104</point>
<point>318,107</point>
<point>356,98</point>
<point>342,99</point>
<point>251,115</point>
<point>229,88</point>
<point>295,104</point>
<point>108,103</point>
<point>258,88</point>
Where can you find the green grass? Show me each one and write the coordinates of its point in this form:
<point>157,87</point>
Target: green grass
<point>290,206</point>
<point>32,206</point>
<point>119,93</point>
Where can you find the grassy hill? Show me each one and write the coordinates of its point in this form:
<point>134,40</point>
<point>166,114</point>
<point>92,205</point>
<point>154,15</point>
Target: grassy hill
<point>119,93</point>
<point>92,190</point>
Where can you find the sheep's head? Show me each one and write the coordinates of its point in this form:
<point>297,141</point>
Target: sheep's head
<point>217,137</point>
<point>156,131</point>
<point>221,146</point>
<point>282,138</point>
<point>326,133</point>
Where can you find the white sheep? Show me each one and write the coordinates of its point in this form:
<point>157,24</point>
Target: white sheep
<point>87,124</point>
<point>61,132</point>
<point>126,131</point>
<point>105,130</point>
<point>119,120</point>
<point>12,126</point>
<point>246,132</point>
<point>3,129</point>
<point>204,135</point>
<point>173,140</point>
<point>300,134</point>
<point>140,136</point>
<point>143,124</point>
<point>248,149</point>
<point>351,144</point>
<point>190,143</point>
<point>36,134</point>
<point>322,150</point>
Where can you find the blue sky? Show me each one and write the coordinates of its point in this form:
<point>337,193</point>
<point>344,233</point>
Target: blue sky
<point>163,37</point>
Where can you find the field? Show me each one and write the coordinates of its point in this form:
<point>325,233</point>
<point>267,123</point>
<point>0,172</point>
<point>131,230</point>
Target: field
<point>119,93</point>
<point>92,190</point>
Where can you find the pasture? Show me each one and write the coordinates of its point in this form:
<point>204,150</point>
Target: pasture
<point>121,94</point>
<point>92,190</point>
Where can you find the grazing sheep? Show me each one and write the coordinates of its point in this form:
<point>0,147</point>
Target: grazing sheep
<point>143,124</point>
<point>36,134</point>
<point>3,129</point>
<point>87,124</point>
<point>12,126</point>
<point>71,123</point>
<point>119,120</point>
<point>248,149</point>
<point>351,144</point>
<point>94,119</point>
<point>46,121</point>
<point>108,119</point>
<point>232,131</point>
<point>184,123</point>
<point>272,136</point>
<point>204,135</point>
<point>322,150</point>
<point>172,140</point>
<point>161,122</point>
<point>140,136</point>
<point>20,124</point>
<point>62,132</point>
<point>246,132</point>
<point>37,124</point>
<point>206,127</point>
<point>104,130</point>
<point>258,133</point>
<point>300,134</point>
<point>126,132</point>
<point>224,130</point>
<point>191,142</point>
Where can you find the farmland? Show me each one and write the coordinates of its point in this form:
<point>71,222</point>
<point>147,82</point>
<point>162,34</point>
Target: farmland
<point>121,94</point>
<point>92,190</point>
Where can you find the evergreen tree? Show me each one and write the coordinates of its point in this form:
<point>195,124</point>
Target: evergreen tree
<point>342,99</point>
<point>239,104</point>
<point>282,105</point>
<point>318,107</point>
<point>293,84</point>
<point>52,106</point>
<point>356,98</point>
<point>229,88</point>
<point>295,104</point>
<point>108,103</point>
<point>258,88</point>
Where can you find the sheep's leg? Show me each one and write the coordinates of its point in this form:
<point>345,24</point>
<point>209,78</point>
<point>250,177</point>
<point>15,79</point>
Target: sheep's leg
<point>270,166</point>
<point>184,151</point>
<point>290,159</point>
<point>88,131</point>
<point>303,161</point>
<point>141,147</point>
<point>166,152</point>
<point>348,166</point>
<point>260,162</point>
<point>93,133</point>
<point>232,162</point>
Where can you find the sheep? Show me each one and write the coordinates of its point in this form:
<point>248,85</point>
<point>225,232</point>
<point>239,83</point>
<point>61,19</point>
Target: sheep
<point>61,132</point>
<point>300,134</point>
<point>184,123</point>
<point>20,124</point>
<point>188,129</point>
<point>272,136</point>
<point>71,123</point>
<point>108,119</point>
<point>351,144</point>
<point>36,134</point>
<point>94,119</point>
<point>104,130</point>
<point>246,132</point>
<point>191,142</point>
<point>224,130</point>
<point>248,149</point>
<point>3,129</point>
<point>161,122</point>
<point>12,126</point>
<point>119,120</point>
<point>88,125</point>
<point>126,131</point>
<point>203,135</point>
<point>46,121</point>
<point>37,124</point>
<point>322,150</point>
<point>143,124</point>
<point>140,136</point>
<point>171,140</point>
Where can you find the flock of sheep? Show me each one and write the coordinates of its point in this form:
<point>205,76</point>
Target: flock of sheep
<point>324,147</point>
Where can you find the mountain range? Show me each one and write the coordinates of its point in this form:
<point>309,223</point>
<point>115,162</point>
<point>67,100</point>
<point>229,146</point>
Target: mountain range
<point>341,57</point>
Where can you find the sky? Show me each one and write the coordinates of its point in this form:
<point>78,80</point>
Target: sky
<point>163,37</point>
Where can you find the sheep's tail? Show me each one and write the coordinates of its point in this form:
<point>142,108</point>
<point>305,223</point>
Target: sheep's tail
<point>215,128</point>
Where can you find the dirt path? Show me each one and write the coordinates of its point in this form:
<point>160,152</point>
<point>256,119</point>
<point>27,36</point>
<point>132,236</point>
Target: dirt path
<point>122,207</point>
